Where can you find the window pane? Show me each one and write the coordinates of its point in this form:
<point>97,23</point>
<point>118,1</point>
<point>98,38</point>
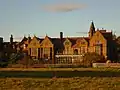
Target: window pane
<point>98,49</point>
<point>34,51</point>
<point>82,50</point>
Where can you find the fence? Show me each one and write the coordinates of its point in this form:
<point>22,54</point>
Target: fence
<point>47,66</point>
<point>117,65</point>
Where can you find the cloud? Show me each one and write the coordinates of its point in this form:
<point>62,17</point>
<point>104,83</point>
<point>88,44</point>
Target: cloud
<point>63,7</point>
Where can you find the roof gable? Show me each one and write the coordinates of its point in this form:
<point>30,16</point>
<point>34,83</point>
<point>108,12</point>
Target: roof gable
<point>80,43</point>
<point>34,42</point>
<point>81,40</point>
<point>47,42</point>
<point>98,36</point>
<point>67,42</point>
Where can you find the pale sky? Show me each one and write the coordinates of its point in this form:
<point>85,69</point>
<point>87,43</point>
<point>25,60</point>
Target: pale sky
<point>41,17</point>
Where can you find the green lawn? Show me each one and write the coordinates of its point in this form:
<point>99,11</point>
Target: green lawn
<point>76,83</point>
<point>60,79</point>
<point>63,72</point>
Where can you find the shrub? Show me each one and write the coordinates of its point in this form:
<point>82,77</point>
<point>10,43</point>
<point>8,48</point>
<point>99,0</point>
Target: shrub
<point>90,58</point>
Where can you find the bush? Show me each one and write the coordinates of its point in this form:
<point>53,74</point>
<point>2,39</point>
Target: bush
<point>90,58</point>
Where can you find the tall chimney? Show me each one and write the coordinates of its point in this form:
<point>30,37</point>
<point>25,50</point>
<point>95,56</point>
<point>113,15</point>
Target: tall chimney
<point>61,35</point>
<point>11,39</point>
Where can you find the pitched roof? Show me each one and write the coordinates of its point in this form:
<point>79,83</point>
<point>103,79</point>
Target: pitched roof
<point>107,35</point>
<point>74,39</point>
<point>87,39</point>
<point>40,39</point>
<point>23,40</point>
<point>58,43</point>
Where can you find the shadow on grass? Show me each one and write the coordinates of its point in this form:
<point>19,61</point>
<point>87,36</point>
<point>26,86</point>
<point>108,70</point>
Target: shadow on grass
<point>64,74</point>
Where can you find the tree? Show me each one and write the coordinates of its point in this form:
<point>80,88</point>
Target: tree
<point>118,47</point>
<point>14,57</point>
<point>3,59</point>
<point>90,58</point>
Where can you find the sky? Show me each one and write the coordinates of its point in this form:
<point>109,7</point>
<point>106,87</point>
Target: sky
<point>50,17</point>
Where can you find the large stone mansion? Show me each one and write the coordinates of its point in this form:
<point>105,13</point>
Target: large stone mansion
<point>69,49</point>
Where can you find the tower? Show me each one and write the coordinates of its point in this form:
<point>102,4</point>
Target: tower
<point>91,30</point>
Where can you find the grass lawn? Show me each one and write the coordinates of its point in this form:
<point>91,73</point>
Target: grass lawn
<point>60,72</point>
<point>59,69</point>
<point>60,79</point>
<point>76,83</point>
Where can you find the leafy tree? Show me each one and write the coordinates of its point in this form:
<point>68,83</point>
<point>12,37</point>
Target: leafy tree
<point>26,60</point>
<point>3,59</point>
<point>118,47</point>
<point>14,57</point>
<point>90,58</point>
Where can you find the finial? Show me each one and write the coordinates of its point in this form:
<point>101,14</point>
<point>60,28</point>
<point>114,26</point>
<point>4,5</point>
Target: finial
<point>34,35</point>
<point>24,35</point>
<point>111,30</point>
<point>91,21</point>
<point>28,35</point>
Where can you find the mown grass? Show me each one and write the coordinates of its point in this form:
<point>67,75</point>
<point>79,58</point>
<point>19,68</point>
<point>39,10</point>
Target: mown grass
<point>61,79</point>
<point>59,69</point>
<point>59,74</point>
<point>76,83</point>
<point>66,73</point>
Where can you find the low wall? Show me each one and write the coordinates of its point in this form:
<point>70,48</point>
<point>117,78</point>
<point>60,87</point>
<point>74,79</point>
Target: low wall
<point>117,65</point>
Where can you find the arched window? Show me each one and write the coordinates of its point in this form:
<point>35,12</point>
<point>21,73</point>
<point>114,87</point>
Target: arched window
<point>76,51</point>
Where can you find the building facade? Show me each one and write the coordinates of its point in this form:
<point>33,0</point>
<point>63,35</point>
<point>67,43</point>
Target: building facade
<point>70,49</point>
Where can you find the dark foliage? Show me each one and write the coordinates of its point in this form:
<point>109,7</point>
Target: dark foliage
<point>90,58</point>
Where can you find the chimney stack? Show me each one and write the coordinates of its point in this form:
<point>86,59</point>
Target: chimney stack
<point>61,35</point>
<point>11,39</point>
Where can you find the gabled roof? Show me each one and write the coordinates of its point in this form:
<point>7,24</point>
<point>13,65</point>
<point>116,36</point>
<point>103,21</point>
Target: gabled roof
<point>85,38</point>
<point>74,39</point>
<point>23,40</point>
<point>106,35</point>
<point>40,39</point>
<point>56,41</point>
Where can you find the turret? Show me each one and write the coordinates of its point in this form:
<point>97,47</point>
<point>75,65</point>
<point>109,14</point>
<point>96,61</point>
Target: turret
<point>91,30</point>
